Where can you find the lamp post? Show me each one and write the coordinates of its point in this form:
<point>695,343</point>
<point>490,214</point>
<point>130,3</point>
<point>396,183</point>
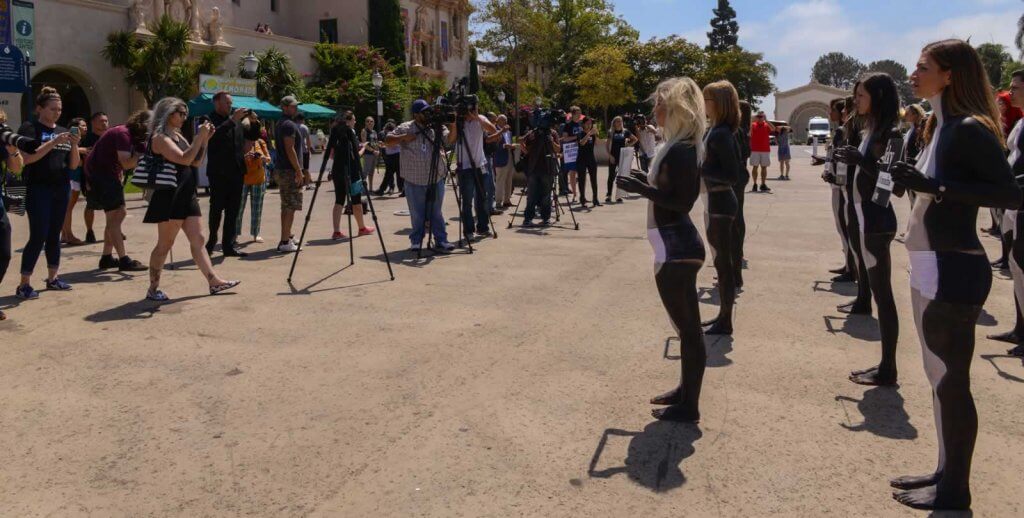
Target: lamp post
<point>250,64</point>
<point>378,81</point>
<point>501,101</point>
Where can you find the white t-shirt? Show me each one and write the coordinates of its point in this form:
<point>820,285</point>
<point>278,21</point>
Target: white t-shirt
<point>647,142</point>
<point>474,142</point>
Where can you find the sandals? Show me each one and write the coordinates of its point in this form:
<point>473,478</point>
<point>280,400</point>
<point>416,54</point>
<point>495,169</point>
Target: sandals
<point>157,296</point>
<point>223,287</point>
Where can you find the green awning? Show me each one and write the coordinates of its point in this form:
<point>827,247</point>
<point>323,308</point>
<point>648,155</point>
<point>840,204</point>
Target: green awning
<point>315,111</point>
<point>203,105</point>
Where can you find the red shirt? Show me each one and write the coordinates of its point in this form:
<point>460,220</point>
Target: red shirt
<point>759,137</point>
<point>103,161</point>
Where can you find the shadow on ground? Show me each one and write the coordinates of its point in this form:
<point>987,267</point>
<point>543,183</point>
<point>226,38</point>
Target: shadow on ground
<point>991,358</point>
<point>861,327</point>
<point>654,455</point>
<point>883,414</point>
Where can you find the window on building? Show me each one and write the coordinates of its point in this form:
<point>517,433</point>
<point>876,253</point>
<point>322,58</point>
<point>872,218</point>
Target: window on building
<point>273,5</point>
<point>329,31</point>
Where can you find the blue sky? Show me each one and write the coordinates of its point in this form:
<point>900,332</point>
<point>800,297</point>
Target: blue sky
<point>792,34</point>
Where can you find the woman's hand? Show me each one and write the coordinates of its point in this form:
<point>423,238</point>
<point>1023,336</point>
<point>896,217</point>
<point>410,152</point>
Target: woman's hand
<point>848,155</point>
<point>205,130</point>
<point>908,176</point>
<point>611,160</point>
<point>631,184</point>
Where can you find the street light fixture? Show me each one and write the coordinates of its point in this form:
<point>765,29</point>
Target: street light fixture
<point>501,101</point>
<point>378,82</point>
<point>250,64</point>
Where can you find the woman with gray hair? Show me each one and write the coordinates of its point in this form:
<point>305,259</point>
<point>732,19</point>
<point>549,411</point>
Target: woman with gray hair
<point>177,209</point>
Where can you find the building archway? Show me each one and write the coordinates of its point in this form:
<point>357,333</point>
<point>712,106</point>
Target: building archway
<point>802,115</point>
<point>77,92</point>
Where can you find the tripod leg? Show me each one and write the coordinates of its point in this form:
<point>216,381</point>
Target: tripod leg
<point>483,193</point>
<point>380,236</point>
<point>309,214</point>
<point>522,193</point>
<point>351,238</point>
<point>458,202</point>
<point>572,214</point>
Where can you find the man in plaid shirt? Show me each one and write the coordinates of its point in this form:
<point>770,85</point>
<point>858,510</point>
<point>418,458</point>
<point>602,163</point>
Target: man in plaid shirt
<point>416,140</point>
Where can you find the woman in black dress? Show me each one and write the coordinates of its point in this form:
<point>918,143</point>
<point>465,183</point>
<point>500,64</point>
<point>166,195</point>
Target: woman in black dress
<point>177,209</point>
<point>671,187</point>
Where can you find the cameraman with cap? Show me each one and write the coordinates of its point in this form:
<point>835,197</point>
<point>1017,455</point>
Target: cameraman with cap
<point>539,146</point>
<point>470,149</point>
<point>416,139</point>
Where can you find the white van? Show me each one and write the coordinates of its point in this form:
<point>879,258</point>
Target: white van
<point>818,127</point>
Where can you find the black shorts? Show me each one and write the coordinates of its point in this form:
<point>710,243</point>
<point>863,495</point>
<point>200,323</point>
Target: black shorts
<point>305,161</point>
<point>104,194</point>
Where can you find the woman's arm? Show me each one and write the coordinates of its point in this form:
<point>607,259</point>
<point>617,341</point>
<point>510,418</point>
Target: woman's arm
<point>15,161</point>
<point>679,181</point>
<point>75,158</point>
<point>31,158</point>
<point>165,147</point>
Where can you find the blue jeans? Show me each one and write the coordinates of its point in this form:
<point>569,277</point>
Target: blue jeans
<point>473,198</point>
<point>538,194</point>
<point>416,197</point>
<point>45,206</point>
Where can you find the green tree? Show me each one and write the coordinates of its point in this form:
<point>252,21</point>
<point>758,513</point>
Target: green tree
<point>994,57</point>
<point>898,72</point>
<point>159,66</point>
<point>747,71</point>
<point>386,31</point>
<point>604,79</point>
<point>724,28</point>
<point>837,69</point>
<point>660,58</point>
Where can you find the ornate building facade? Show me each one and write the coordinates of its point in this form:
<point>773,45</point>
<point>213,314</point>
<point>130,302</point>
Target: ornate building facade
<point>70,36</point>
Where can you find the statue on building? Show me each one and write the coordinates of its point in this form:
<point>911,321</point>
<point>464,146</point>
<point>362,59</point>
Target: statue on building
<point>215,27</point>
<point>421,20</point>
<point>195,31</point>
<point>136,16</point>
<point>178,10</point>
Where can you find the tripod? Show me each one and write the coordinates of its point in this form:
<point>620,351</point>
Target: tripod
<point>550,160</point>
<point>332,144</point>
<point>436,156</point>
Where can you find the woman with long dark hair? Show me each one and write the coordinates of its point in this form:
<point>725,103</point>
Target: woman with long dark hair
<point>877,102</point>
<point>177,210</point>
<point>962,168</point>
<point>861,304</point>
<point>672,186</point>
<point>837,115</point>
<point>720,173</point>
<point>48,188</point>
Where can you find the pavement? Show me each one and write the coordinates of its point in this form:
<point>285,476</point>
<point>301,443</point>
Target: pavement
<point>510,382</point>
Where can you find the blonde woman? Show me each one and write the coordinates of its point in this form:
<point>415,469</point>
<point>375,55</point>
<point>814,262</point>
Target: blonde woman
<point>175,210</point>
<point>672,186</point>
<point>618,138</point>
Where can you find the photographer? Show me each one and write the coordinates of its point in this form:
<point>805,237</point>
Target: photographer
<point>646,134</point>
<point>416,141</point>
<point>116,151</point>
<point>539,146</point>
<point>12,162</point>
<point>470,149</point>
<point>226,170</point>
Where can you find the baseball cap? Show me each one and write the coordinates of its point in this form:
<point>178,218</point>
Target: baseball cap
<point>289,100</point>
<point>419,105</point>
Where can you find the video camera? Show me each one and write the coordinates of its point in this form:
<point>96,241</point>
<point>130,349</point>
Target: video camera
<point>632,122</point>
<point>9,137</point>
<point>547,119</point>
<point>455,103</point>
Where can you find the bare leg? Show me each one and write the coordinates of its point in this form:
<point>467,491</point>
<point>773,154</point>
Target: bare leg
<point>166,233</point>
<point>197,243</point>
<point>90,218</point>
<point>336,214</point>
<point>876,251</point>
<point>357,211</point>
<point>67,231</point>
<point>720,234</point>
<point>677,285</point>
<point>287,217</point>
<point>113,238</point>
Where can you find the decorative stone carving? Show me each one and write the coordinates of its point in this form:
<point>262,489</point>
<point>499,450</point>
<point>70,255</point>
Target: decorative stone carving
<point>178,10</point>
<point>195,32</point>
<point>216,28</point>
<point>159,9</point>
<point>137,16</point>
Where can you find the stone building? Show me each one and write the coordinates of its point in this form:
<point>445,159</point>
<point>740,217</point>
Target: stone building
<point>70,35</point>
<point>798,105</point>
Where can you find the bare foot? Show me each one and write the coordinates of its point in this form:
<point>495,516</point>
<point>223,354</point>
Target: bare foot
<point>672,397</point>
<point>677,413</point>
<point>875,378</point>
<point>915,481</point>
<point>930,498</point>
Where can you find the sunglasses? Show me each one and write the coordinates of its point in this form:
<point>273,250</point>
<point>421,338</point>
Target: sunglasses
<point>183,113</point>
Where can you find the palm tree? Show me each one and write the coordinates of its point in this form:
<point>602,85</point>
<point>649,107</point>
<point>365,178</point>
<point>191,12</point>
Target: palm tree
<point>150,64</point>
<point>274,75</point>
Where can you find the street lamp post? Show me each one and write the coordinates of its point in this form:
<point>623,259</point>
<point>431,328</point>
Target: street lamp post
<point>501,101</point>
<point>250,64</point>
<point>378,82</point>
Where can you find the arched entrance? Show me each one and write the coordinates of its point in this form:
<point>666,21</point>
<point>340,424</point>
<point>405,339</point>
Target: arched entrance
<point>802,114</point>
<point>76,92</point>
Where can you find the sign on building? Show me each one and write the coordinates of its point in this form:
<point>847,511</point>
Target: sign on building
<point>12,70</point>
<point>233,85</point>
<point>24,23</point>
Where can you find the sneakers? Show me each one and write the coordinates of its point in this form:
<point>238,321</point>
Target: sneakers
<point>366,231</point>
<point>107,262</point>
<point>338,235</point>
<point>90,237</point>
<point>764,188</point>
<point>257,239</point>
<point>446,246</point>
<point>127,264</point>
<point>416,247</point>
<point>157,296</point>
<point>287,247</point>
<point>528,224</point>
<point>754,188</point>
<point>57,285</point>
<point>25,292</point>
<point>545,223</point>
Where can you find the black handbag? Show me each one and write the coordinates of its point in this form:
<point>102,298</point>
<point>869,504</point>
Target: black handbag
<point>154,172</point>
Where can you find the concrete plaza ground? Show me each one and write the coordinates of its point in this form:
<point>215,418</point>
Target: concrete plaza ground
<point>510,382</point>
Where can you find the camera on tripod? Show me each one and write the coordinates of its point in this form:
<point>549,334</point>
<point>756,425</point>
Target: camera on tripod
<point>546,119</point>
<point>455,103</point>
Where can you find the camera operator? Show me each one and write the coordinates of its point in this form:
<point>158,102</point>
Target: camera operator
<point>12,162</point>
<point>539,146</point>
<point>416,140</point>
<point>470,150</point>
<point>226,171</point>
<point>646,135</point>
